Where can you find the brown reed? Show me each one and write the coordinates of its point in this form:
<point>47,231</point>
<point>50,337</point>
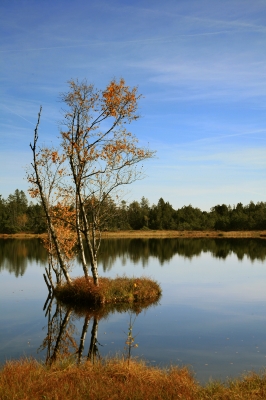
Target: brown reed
<point>116,379</point>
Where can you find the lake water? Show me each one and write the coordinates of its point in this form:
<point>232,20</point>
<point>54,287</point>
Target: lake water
<point>211,316</point>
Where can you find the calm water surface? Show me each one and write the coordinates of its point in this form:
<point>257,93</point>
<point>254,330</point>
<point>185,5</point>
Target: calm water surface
<point>212,314</point>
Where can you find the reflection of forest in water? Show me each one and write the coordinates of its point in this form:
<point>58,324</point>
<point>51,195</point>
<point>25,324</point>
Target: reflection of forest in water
<point>139,250</point>
<point>15,254</point>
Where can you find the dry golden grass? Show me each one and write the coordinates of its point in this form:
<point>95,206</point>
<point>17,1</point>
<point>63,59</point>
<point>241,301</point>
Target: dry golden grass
<point>116,379</point>
<point>249,387</point>
<point>22,235</point>
<point>184,234</point>
<point>155,234</point>
<point>109,291</point>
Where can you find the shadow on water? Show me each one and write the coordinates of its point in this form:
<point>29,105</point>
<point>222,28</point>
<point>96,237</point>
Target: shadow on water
<point>62,339</point>
<point>15,254</point>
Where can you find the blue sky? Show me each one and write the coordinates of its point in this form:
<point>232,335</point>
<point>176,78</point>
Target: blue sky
<point>201,66</point>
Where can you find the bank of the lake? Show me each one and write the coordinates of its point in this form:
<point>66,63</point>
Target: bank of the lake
<point>108,379</point>
<point>153,234</point>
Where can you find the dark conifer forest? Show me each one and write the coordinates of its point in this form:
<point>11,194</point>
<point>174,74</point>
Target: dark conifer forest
<point>17,214</point>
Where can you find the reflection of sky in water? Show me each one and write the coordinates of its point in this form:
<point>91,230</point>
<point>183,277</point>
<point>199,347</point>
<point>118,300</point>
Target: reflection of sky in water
<point>212,314</point>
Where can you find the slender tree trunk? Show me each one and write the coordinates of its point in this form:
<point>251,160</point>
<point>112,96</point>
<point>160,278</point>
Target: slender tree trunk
<point>94,271</point>
<point>76,173</point>
<point>80,242</point>
<point>58,250</point>
<point>91,246</point>
<point>45,205</point>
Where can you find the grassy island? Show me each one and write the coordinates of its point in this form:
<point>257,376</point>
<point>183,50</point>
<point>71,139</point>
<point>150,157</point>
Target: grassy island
<point>109,291</point>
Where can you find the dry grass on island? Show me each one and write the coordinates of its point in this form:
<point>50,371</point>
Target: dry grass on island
<point>109,291</point>
<point>113,378</point>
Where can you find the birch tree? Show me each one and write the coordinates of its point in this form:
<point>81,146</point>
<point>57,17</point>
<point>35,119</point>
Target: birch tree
<point>97,156</point>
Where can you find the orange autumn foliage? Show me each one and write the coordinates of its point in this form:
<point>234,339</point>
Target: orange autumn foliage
<point>63,218</point>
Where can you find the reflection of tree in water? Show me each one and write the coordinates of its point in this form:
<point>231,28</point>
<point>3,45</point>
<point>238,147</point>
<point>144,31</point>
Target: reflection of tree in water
<point>15,254</point>
<point>60,330</point>
<point>140,250</point>
<point>60,342</point>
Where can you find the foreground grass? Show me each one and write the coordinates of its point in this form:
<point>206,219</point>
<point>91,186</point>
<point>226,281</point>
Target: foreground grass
<point>116,379</point>
<point>110,291</point>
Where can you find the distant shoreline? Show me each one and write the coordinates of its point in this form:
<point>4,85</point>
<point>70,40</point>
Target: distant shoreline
<point>150,234</point>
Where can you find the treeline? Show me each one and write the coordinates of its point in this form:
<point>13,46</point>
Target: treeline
<point>220,217</point>
<point>19,215</point>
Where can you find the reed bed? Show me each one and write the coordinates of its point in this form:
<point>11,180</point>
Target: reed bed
<point>114,378</point>
<point>109,291</point>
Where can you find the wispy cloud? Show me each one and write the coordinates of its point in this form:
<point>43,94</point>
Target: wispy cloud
<point>14,112</point>
<point>216,76</point>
